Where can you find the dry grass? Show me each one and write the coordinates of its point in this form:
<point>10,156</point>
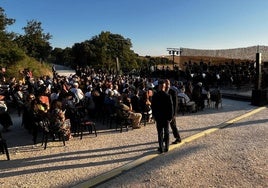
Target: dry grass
<point>38,69</point>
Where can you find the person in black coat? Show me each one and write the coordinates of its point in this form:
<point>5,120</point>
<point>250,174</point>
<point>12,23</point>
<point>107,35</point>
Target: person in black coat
<point>173,123</point>
<point>162,108</point>
<point>197,96</point>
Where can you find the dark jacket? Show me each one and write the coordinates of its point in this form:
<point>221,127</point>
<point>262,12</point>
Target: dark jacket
<point>162,106</point>
<point>174,97</point>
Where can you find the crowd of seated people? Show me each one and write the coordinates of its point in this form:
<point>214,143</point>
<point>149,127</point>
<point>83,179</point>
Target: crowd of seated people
<point>95,90</point>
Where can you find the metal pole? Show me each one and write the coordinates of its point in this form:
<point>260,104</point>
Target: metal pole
<point>173,51</point>
<point>258,70</point>
<point>173,54</point>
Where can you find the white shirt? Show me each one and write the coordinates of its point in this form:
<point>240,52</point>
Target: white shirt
<point>78,93</point>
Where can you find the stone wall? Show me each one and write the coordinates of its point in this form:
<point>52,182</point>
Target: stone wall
<point>236,53</point>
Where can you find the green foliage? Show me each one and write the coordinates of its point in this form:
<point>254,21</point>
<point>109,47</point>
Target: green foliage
<point>10,55</point>
<point>9,52</point>
<point>101,51</point>
<point>64,56</point>
<point>4,21</point>
<point>35,42</point>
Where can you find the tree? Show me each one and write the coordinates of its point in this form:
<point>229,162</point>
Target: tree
<point>9,52</point>
<point>110,46</point>
<point>61,56</point>
<point>101,51</point>
<point>4,22</point>
<point>35,42</point>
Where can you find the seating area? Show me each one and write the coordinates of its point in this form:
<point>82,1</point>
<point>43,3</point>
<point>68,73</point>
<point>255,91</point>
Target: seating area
<point>85,105</point>
<point>186,107</point>
<point>210,99</point>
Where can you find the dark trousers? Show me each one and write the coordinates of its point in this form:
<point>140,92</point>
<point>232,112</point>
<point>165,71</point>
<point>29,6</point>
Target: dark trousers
<point>175,131</point>
<point>163,134</point>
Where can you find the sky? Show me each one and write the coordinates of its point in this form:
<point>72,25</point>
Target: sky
<point>151,25</point>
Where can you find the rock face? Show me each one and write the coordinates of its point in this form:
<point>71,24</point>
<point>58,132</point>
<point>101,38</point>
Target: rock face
<point>236,53</point>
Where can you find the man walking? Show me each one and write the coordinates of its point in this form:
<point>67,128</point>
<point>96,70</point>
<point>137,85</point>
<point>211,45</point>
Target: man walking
<point>162,108</point>
<point>173,123</point>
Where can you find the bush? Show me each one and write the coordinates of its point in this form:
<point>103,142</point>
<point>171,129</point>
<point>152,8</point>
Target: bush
<point>11,55</point>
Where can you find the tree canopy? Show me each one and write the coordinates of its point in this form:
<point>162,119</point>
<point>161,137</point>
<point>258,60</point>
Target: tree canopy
<point>35,42</point>
<point>106,50</point>
<point>9,52</point>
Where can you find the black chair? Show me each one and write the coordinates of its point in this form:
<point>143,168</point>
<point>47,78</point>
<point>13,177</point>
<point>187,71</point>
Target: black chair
<point>184,107</point>
<point>83,122</point>
<point>50,131</point>
<point>147,118</point>
<point>122,120</point>
<point>108,114</point>
<point>216,98</point>
<point>3,147</point>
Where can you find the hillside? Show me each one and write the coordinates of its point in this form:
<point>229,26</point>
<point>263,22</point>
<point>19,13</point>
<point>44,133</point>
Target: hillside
<point>38,69</point>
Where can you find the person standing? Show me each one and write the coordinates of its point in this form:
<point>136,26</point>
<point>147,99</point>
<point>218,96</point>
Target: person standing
<point>173,123</point>
<point>162,108</point>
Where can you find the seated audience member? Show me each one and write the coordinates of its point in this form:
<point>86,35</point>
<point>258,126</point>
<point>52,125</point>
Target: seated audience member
<point>197,96</point>
<point>215,95</point>
<point>186,100</point>
<point>58,119</point>
<point>27,119</point>
<point>78,93</point>
<point>115,90</point>
<point>183,95</point>
<point>89,102</point>
<point>206,94</point>
<point>189,89</point>
<point>136,101</point>
<point>44,97</point>
<point>19,98</point>
<point>135,117</point>
<point>109,102</point>
<point>146,106</point>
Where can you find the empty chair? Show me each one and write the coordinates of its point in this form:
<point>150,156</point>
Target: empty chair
<point>83,122</point>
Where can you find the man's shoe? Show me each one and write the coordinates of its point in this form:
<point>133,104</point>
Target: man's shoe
<point>159,150</point>
<point>166,150</point>
<point>177,141</point>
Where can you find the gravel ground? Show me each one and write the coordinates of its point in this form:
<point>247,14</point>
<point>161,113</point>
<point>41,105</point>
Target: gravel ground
<point>232,157</point>
<point>235,156</point>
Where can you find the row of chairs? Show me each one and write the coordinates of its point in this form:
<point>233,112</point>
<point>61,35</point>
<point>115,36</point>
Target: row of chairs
<point>215,101</point>
<point>78,122</point>
<point>112,115</point>
<point>44,125</point>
